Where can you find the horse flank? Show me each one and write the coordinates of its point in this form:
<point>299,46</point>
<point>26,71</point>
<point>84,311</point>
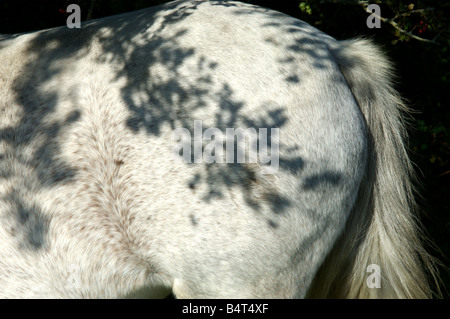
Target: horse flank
<point>382,227</point>
<point>92,204</point>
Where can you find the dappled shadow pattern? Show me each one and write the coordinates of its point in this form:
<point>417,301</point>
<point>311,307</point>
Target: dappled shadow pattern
<point>161,102</point>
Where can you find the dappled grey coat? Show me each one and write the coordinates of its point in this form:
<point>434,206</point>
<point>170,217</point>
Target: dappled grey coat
<point>94,202</point>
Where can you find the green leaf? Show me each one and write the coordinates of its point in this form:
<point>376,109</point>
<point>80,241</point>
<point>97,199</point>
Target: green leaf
<point>305,7</point>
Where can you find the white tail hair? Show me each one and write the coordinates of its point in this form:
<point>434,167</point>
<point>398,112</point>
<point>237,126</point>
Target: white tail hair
<point>382,229</point>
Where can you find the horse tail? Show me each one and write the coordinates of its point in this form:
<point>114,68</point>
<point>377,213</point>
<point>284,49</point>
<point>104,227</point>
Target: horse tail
<point>382,236</point>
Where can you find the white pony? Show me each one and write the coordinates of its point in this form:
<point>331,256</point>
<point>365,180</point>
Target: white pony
<point>95,202</point>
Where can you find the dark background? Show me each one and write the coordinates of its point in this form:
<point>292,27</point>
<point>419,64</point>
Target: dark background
<point>422,68</point>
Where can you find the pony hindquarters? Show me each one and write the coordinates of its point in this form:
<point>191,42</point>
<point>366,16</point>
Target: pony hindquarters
<point>89,181</point>
<point>382,230</point>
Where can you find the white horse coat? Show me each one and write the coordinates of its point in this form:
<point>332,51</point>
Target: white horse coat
<point>95,204</point>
